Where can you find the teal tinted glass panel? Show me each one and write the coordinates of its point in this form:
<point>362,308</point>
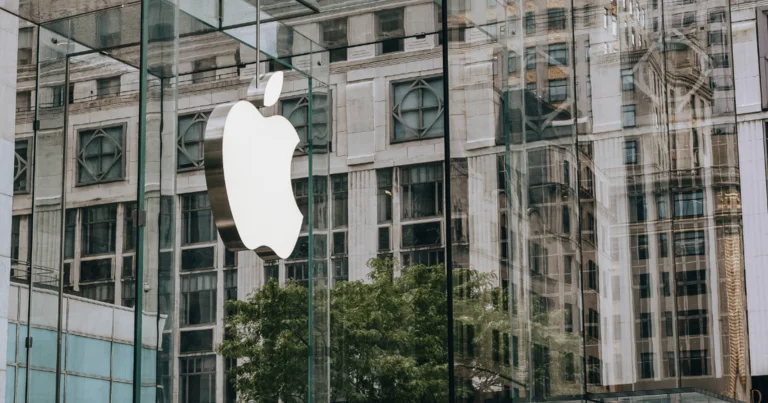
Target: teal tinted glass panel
<point>148,394</point>
<point>22,350</point>
<point>87,356</point>
<point>42,388</point>
<point>81,389</point>
<point>21,375</point>
<point>122,361</point>
<point>10,351</point>
<point>10,384</point>
<point>43,354</point>
<point>122,392</point>
<point>148,365</point>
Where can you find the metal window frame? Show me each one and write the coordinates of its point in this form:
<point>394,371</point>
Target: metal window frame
<point>80,162</point>
<point>198,163</point>
<point>421,84</point>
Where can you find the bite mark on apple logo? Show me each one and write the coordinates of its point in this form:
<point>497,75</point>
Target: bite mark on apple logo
<point>248,173</point>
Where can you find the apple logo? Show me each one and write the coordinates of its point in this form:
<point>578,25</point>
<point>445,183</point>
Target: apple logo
<point>248,173</point>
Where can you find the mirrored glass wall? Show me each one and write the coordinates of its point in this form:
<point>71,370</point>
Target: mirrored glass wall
<point>482,220</point>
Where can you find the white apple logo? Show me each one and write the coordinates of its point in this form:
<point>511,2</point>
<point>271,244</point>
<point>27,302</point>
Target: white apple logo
<point>248,172</point>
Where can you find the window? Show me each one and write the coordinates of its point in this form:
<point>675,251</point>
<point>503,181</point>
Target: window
<point>197,219</point>
<point>340,200</point>
<point>197,259</point>
<point>512,62</point>
<point>719,60</point>
<point>128,294</point>
<point>539,258</point>
<point>646,365</point>
<point>558,54</point>
<point>628,115</point>
<point>21,166</point>
<point>627,80</point>
<point>593,324</point>
<point>694,363</point>
<point>530,22</point>
<point>190,143</point>
<point>568,318</point>
<point>296,110</point>
<point>198,379</point>
<point>496,347</point>
<point>70,223</point>
<point>98,229</point>
<point>556,19</point>
<point>568,269</point>
<point>424,234</point>
<point>515,352</point>
<point>689,243</point>
<point>691,282</point>
<point>668,324</point>
<point>103,292</point>
<point>530,59</point>
<point>204,70</point>
<point>334,34</point>
<point>271,272</point>
<point>108,87</point>
<point>646,325</point>
<point>566,220</point>
<point>391,31</point>
<point>196,341</point>
<point>384,202</point>
<point>592,276</point>
<point>417,109</point>
<point>101,156</point>
<point>692,322</point>
<point>689,18</point>
<point>25,46</point>
<point>689,204</point>
<point>198,299</point>
<point>637,210</point>
<point>56,97</point>
<point>717,15</point>
<point>593,371</point>
<point>662,206</point>
<point>558,90</point>
<point>645,285</point>
<point>15,238</point>
<point>665,285</point>
<point>569,367</point>
<point>642,247</point>
<point>129,230</point>
<point>23,101</point>
<point>671,364</point>
<point>716,38</point>
<point>320,197</point>
<point>422,190</point>
<point>230,396</point>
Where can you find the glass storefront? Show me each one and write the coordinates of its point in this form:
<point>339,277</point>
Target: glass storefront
<point>481,220</point>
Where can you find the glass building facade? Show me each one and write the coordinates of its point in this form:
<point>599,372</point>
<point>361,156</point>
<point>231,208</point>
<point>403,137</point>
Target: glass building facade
<point>503,200</point>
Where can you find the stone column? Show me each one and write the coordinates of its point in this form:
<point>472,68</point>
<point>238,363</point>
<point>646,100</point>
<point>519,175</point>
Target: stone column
<point>9,40</point>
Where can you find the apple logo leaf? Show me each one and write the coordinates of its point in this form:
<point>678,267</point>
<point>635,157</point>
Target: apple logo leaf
<point>274,88</point>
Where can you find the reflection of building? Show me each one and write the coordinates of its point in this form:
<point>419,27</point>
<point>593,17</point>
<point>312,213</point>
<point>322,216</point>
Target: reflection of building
<point>599,155</point>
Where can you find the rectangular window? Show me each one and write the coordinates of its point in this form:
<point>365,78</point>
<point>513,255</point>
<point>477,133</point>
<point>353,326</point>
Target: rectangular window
<point>593,324</point>
<point>197,219</point>
<point>628,115</point>
<point>95,270</point>
<point>569,367</point>
<point>691,282</point>
<point>642,247</point>
<point>198,379</point>
<point>70,223</point>
<point>515,352</point>
<point>719,60</point>
<point>421,190</point>
<point>671,364</point>
<point>637,209</point>
<point>390,25</point>
<point>196,341</point>
<point>694,363</point>
<point>668,324</point>
<point>566,214</point>
<point>496,346</point>
<point>230,285</point>
<point>692,322</point>
<point>592,276</point>
<point>108,28</point>
<point>100,156</point>
<point>272,272</point>
<point>21,170</point>
<point>23,101</point>
<point>129,231</point>
<point>15,238</point>
<point>558,90</point>
<point>556,19</point>
<point>98,229</point>
<point>417,109</point>
<point>627,80</point>
<point>512,62</point>
<point>568,319</point>
<point>102,292</point>
<point>568,269</point>
<point>662,207</point>
<point>384,202</point>
<point>129,294</point>
<point>646,325</point>
<point>689,204</point>
<point>25,46</point>
<point>663,247</point>
<point>646,365</point>
<point>424,234</point>
<point>190,141</point>
<point>530,58</point>
<point>558,54</point>
<point>296,110</point>
<point>645,285</point>
<point>108,87</point>
<point>715,38</point>
<point>198,299</point>
<point>630,152</point>
<point>689,243</point>
<point>594,371</point>
<point>334,38</point>
<point>530,22</point>
<point>339,188</point>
